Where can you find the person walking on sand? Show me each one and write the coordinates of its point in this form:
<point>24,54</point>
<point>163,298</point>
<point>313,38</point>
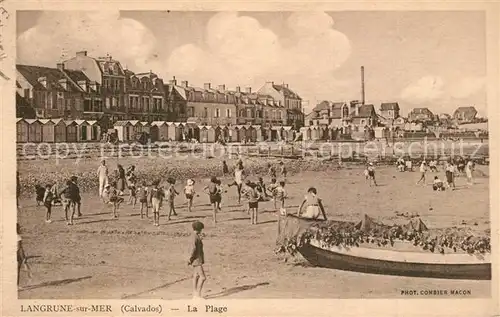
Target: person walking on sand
<point>423,170</point>
<point>121,181</point>
<point>238,179</point>
<point>114,198</point>
<point>215,195</point>
<point>189,192</point>
<point>450,177</point>
<point>225,169</point>
<point>47,202</point>
<point>157,195</point>
<point>170,195</point>
<point>197,259</point>
<point>371,174</point>
<point>469,168</point>
<point>314,206</point>
<point>143,199</point>
<point>102,174</point>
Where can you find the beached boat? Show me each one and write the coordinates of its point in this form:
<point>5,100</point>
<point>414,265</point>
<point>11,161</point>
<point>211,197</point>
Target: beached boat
<point>401,259</point>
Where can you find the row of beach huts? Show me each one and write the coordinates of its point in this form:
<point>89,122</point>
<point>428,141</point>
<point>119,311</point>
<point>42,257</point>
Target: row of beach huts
<point>70,131</point>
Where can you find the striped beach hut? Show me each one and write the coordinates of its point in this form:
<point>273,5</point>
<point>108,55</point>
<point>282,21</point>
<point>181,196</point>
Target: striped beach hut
<point>34,130</point>
<point>306,133</point>
<point>145,127</point>
<point>232,133</point>
<point>161,130</point>
<point>94,130</point>
<point>71,131</point>
<point>257,133</point>
<point>59,130</point>
<point>124,130</point>
<point>21,130</point>
<point>48,133</point>
<point>207,134</point>
<point>191,131</point>
<point>287,133</point>
<point>82,131</point>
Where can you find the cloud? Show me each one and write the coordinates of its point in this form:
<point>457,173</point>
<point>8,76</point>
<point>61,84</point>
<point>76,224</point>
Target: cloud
<point>428,88</point>
<point>238,50</point>
<point>59,34</point>
<point>467,86</point>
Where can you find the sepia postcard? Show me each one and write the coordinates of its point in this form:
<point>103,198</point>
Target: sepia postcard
<point>249,158</point>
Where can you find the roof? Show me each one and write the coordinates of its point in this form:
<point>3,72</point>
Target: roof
<point>324,105</point>
<point>31,121</point>
<point>19,120</point>
<point>53,75</point>
<point>45,121</point>
<point>337,105</point>
<point>110,66</point>
<point>421,111</point>
<point>92,122</point>
<point>121,123</point>
<point>80,122</point>
<point>158,123</point>
<point>366,111</point>
<point>57,121</point>
<point>69,122</point>
<point>466,109</point>
<point>389,106</point>
<point>287,92</point>
<point>133,122</point>
<point>144,123</point>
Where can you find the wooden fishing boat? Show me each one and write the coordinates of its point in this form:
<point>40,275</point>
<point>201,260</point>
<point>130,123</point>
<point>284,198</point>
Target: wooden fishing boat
<point>402,259</point>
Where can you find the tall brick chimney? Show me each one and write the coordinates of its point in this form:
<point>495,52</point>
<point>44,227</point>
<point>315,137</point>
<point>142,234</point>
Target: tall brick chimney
<point>362,85</point>
<point>184,83</point>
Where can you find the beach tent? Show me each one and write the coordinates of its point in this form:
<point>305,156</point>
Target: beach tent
<point>233,133</point>
<point>191,131</point>
<point>21,130</point>
<point>207,134</point>
<point>34,130</point>
<point>240,133</point>
<point>82,131</point>
<point>161,130</point>
<point>178,131</point>
<point>94,130</point>
<point>71,131</point>
<point>124,130</point>
<point>306,133</point>
<point>59,130</point>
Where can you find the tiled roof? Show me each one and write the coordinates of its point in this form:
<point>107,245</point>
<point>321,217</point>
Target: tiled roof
<point>389,106</point>
<point>366,111</point>
<point>466,109</point>
<point>121,123</point>
<point>421,111</point>
<point>53,75</point>
<point>286,91</point>
<point>324,105</point>
<point>158,123</point>
<point>109,66</point>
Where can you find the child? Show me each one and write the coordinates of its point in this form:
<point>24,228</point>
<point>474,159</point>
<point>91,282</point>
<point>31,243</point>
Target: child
<point>39,191</point>
<point>280,194</point>
<point>131,179</point>
<point>450,177</point>
<point>114,198</point>
<point>225,168</point>
<point>272,190</point>
<point>190,192</point>
<point>261,188</point>
<point>215,195</point>
<point>197,259</point>
<point>314,205</point>
<point>271,170</point>
<point>157,195</point>
<point>423,170</point>
<point>71,197</point>
<point>433,166</point>
<point>171,193</point>
<point>283,170</point>
<point>371,174</point>
<point>132,200</point>
<point>143,199</point>
<point>78,201</point>
<point>437,185</point>
<point>365,172</point>
<point>238,179</point>
<point>47,202</point>
<point>21,256</point>
<point>253,196</point>
<point>409,165</point>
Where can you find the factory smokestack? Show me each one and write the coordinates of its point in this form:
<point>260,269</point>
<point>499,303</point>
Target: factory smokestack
<point>362,85</point>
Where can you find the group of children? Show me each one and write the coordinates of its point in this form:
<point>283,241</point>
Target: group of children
<point>69,198</point>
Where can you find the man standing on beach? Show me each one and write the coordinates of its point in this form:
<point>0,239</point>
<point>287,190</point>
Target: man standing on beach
<point>102,173</point>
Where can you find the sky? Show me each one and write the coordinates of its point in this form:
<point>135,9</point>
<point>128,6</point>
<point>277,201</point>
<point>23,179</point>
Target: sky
<point>434,59</point>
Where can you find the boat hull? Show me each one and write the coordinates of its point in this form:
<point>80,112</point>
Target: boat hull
<point>341,261</point>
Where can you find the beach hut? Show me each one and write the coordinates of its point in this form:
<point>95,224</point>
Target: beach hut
<point>124,130</point>
<point>232,133</point>
<point>82,129</point>
<point>48,134</point>
<point>161,130</point>
<point>21,130</point>
<point>257,133</point>
<point>240,133</point>
<point>94,130</point>
<point>59,130</point>
<point>207,134</point>
<point>71,131</point>
<point>287,133</point>
<point>306,133</point>
<point>276,133</point>
<point>34,130</point>
<point>191,131</point>
<point>178,131</point>
<point>145,127</point>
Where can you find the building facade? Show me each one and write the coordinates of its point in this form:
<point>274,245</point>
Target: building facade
<point>423,115</point>
<point>145,97</point>
<point>287,98</point>
<point>464,114</point>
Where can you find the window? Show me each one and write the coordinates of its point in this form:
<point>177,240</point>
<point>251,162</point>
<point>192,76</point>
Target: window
<point>60,101</point>
<point>217,113</point>
<point>86,105</point>
<point>249,113</point>
<point>205,112</point>
<point>26,93</point>
<point>279,115</point>
<point>228,113</point>
<point>68,104</point>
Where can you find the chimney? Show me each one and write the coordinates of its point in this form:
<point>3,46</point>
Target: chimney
<point>285,85</point>
<point>362,85</point>
<point>83,84</point>
<point>81,53</point>
<point>248,90</point>
<point>206,86</point>
<point>63,82</point>
<point>43,81</point>
<point>60,66</point>
<point>173,81</point>
<point>222,87</point>
<point>184,83</point>
<point>238,89</point>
